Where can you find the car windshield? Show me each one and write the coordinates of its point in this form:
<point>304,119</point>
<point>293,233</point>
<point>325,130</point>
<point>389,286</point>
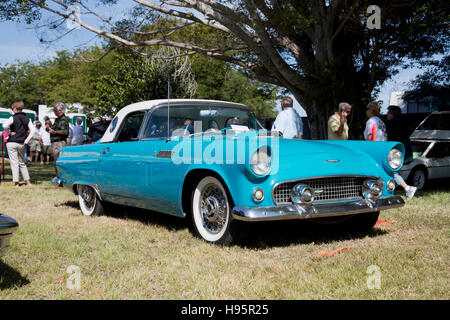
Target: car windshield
<point>436,122</point>
<point>419,147</point>
<point>187,120</point>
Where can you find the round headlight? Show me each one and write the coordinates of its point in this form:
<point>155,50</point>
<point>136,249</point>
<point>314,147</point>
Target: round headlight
<point>260,162</point>
<point>394,159</point>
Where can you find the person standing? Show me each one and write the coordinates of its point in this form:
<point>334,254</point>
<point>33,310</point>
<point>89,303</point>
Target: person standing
<point>35,147</point>
<point>376,131</point>
<point>77,138</point>
<point>21,131</point>
<point>44,140</point>
<point>375,128</point>
<point>337,123</point>
<point>288,122</point>
<point>59,132</point>
<point>397,130</point>
<point>97,129</point>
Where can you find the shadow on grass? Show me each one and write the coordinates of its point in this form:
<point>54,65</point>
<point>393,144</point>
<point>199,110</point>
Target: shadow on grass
<point>148,217</point>
<point>263,235</point>
<point>71,204</point>
<point>38,173</point>
<point>10,278</point>
<point>256,235</point>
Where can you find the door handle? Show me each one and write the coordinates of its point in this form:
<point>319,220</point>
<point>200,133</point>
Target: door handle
<point>106,150</point>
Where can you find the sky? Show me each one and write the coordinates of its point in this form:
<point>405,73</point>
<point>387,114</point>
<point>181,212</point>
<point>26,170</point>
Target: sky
<point>21,42</point>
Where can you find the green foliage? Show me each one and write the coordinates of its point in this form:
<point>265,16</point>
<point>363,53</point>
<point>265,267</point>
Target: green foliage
<point>218,81</point>
<point>67,78</point>
<point>134,78</point>
<point>433,84</point>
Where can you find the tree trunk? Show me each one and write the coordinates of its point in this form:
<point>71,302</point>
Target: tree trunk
<point>318,119</point>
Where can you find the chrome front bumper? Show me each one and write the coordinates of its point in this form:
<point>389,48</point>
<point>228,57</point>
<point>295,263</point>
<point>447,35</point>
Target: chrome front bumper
<point>319,210</point>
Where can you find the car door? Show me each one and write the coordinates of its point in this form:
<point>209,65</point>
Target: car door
<point>119,174</point>
<point>439,160</point>
<point>163,177</point>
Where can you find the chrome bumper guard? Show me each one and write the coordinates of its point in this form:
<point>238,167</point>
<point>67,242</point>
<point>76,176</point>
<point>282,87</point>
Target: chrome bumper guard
<point>319,210</point>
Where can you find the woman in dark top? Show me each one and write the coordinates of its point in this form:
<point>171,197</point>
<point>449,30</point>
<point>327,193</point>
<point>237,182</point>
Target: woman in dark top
<point>22,130</point>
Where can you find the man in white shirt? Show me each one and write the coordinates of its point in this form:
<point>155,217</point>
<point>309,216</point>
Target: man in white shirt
<point>44,140</point>
<point>77,131</point>
<point>288,122</point>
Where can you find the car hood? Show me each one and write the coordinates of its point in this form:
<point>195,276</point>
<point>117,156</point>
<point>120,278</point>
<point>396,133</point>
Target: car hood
<point>293,158</point>
<point>319,158</point>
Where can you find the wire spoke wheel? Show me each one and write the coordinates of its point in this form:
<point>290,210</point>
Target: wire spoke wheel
<point>211,211</point>
<point>213,207</point>
<point>89,202</point>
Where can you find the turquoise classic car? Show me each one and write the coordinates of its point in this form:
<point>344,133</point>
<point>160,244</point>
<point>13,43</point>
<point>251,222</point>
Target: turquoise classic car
<point>214,161</point>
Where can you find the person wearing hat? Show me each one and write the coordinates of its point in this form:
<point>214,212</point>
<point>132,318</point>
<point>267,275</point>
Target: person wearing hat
<point>97,129</point>
<point>35,146</point>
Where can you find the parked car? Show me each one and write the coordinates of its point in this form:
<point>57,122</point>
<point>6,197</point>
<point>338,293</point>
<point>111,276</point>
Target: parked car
<point>431,150</point>
<point>7,227</point>
<point>213,161</point>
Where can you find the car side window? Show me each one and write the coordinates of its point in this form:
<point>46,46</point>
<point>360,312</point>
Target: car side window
<point>157,126</point>
<point>440,150</point>
<point>131,125</point>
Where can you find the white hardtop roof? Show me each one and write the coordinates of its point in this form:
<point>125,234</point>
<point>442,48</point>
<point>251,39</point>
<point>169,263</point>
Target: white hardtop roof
<point>149,104</point>
<point>145,105</point>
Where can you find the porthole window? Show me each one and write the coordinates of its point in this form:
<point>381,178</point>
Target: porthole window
<point>113,124</point>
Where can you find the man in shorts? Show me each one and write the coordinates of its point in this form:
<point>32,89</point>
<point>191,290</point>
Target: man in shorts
<point>35,147</point>
<point>46,144</point>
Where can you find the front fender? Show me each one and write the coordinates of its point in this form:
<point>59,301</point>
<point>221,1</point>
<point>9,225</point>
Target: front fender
<point>377,150</point>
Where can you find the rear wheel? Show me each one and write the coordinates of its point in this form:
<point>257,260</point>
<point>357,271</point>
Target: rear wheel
<point>89,201</point>
<point>211,211</point>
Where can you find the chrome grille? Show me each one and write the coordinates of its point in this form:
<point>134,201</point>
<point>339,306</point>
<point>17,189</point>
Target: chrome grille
<point>327,188</point>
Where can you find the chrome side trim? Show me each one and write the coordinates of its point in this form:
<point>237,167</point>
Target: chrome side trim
<point>322,210</point>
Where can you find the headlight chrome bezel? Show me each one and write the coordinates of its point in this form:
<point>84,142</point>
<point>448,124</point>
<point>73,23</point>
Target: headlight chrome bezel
<point>260,162</point>
<point>395,159</point>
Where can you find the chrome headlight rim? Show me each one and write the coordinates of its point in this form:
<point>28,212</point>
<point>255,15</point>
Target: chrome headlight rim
<point>394,159</point>
<point>260,162</point>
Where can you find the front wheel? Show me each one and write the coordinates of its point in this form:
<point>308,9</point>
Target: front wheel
<point>211,211</point>
<point>418,178</point>
<point>89,201</point>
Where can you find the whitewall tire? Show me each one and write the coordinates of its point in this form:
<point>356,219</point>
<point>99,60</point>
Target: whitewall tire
<point>89,201</point>
<point>211,211</point>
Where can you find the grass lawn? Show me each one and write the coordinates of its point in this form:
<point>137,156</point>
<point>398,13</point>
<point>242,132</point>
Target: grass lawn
<point>136,254</point>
